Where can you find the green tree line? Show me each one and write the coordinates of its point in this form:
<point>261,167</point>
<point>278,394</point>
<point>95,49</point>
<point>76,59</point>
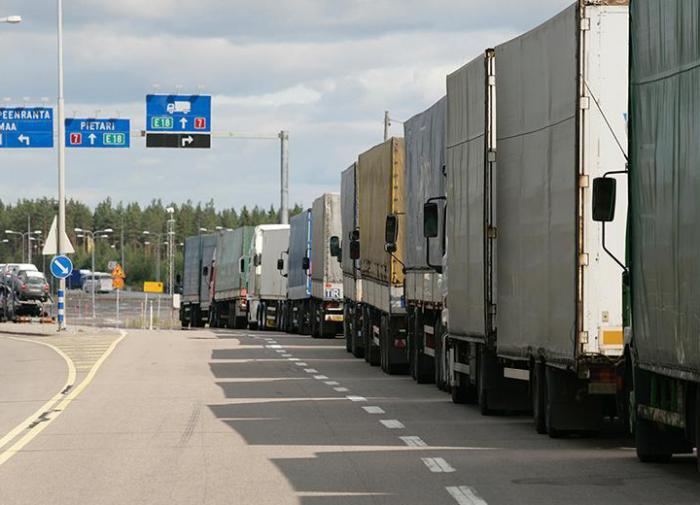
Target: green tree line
<point>126,242</point>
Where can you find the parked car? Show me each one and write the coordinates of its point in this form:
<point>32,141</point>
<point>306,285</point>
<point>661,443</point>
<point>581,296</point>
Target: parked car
<point>31,285</point>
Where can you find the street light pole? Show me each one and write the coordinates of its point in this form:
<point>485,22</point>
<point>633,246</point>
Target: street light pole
<point>284,177</point>
<point>60,246</point>
<point>171,249</point>
<point>93,236</point>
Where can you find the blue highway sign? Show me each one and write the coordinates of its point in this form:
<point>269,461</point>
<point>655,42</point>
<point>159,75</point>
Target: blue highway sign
<point>178,113</point>
<point>26,127</point>
<point>98,133</point>
<point>61,266</point>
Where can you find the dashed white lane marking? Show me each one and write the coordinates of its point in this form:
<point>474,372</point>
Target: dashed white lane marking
<point>438,465</point>
<point>392,424</point>
<point>310,370</point>
<point>320,377</point>
<point>353,398</point>
<point>374,410</point>
<point>280,351</point>
<point>332,383</point>
<point>293,359</point>
<point>286,355</point>
<point>342,390</point>
<point>301,363</point>
<point>465,495</point>
<point>275,346</point>
<point>413,441</point>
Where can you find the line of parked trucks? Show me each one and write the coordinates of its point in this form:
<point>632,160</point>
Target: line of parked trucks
<point>530,244</point>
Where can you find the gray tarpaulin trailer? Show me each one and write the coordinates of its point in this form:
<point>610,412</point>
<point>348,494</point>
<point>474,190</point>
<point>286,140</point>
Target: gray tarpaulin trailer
<point>199,258</point>
<point>352,279</point>
<point>326,271</point>
<point>424,136</point>
<point>561,93</point>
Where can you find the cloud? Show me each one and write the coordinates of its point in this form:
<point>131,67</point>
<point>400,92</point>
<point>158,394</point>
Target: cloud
<point>324,70</point>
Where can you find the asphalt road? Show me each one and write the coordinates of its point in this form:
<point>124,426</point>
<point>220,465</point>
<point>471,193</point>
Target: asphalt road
<point>224,417</point>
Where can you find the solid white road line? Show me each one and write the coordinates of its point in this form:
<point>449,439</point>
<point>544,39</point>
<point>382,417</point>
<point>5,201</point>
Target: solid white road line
<point>392,424</point>
<point>353,398</point>
<point>413,441</point>
<point>342,390</point>
<point>438,465</point>
<point>465,495</point>
<point>374,410</point>
<point>320,377</point>
<point>332,383</point>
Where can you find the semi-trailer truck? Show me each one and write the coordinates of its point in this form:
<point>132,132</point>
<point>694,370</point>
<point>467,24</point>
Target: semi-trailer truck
<point>296,313</point>
<point>352,279</point>
<point>380,200</point>
<point>326,273</point>
<point>230,282</point>
<point>663,236</point>
<point>561,92</point>
<point>267,289</point>
<point>424,136</point>
<point>199,260</point>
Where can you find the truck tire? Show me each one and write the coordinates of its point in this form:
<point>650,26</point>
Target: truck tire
<point>697,423</point>
<point>347,328</point>
<point>440,359</point>
<point>239,322</point>
<point>652,444</point>
<point>538,397</point>
<point>552,383</point>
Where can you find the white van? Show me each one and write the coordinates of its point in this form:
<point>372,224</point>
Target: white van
<point>101,280</point>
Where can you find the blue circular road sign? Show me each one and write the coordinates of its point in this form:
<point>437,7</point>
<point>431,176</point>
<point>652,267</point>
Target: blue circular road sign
<point>61,266</point>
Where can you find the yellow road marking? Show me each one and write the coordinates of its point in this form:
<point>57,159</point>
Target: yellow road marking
<point>72,395</point>
<point>70,381</point>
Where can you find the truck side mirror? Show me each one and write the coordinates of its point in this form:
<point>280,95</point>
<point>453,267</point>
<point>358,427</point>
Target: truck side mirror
<point>280,264</point>
<point>604,191</point>
<point>241,265</point>
<point>257,260</point>
<point>355,235</point>
<point>430,220</point>
<point>336,251</point>
<point>305,263</point>
<point>355,250</point>
<point>391,233</point>
<point>178,279</point>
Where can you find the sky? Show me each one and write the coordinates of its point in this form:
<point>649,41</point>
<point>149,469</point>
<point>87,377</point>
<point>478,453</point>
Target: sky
<point>323,70</point>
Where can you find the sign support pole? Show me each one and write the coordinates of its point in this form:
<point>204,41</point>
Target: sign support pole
<point>60,246</point>
<point>284,177</point>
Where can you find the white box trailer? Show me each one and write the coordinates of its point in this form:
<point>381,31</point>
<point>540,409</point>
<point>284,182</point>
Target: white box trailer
<point>196,296</point>
<point>352,278</point>
<point>424,136</point>
<point>267,288</point>
<point>561,111</point>
<point>326,272</point>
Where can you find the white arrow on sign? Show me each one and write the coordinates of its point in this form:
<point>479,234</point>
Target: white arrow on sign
<point>22,138</point>
<point>63,269</point>
<point>183,122</point>
<point>0,139</point>
<point>187,140</point>
<point>92,138</point>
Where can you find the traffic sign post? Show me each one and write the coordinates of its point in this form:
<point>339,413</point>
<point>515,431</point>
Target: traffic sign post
<point>178,121</point>
<point>61,267</point>
<point>23,127</point>
<point>98,133</point>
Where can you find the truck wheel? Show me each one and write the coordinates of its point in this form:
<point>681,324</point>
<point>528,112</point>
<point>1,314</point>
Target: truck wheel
<point>538,398</point>
<point>653,445</point>
<point>697,423</point>
<point>347,329</point>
